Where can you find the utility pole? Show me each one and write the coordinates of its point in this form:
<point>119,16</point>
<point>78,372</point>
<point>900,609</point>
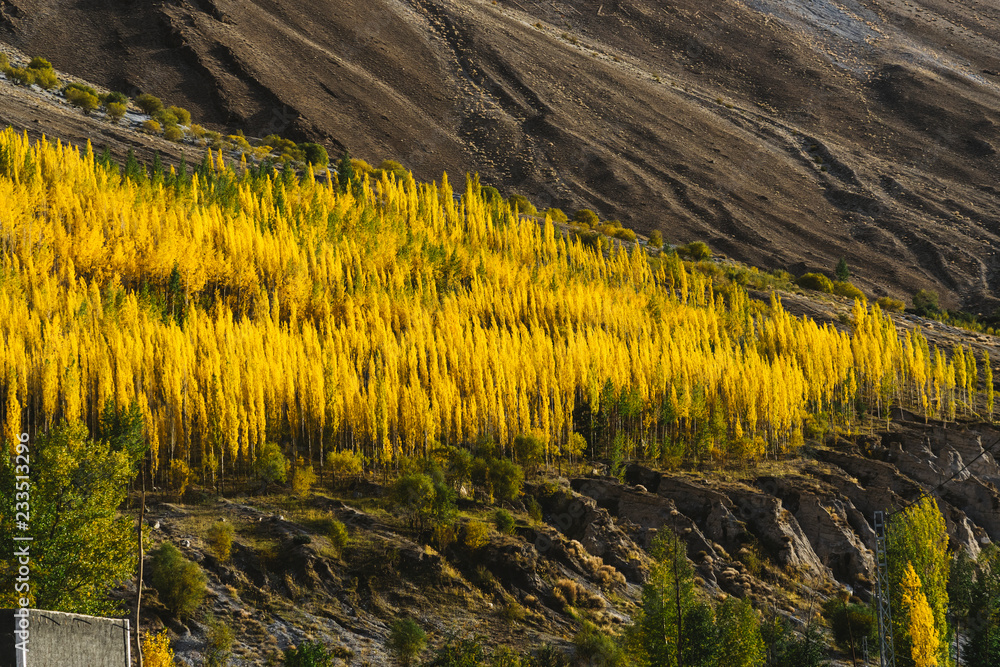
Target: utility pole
<point>887,653</point>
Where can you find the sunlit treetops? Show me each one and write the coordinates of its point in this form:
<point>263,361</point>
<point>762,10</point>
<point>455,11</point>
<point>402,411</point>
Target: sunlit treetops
<point>238,306</point>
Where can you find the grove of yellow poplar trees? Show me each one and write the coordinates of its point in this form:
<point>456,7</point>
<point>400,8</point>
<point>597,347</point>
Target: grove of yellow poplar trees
<point>237,306</point>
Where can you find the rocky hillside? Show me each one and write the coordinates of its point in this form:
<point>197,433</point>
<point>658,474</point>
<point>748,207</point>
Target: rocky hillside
<point>785,134</point>
<point>787,534</point>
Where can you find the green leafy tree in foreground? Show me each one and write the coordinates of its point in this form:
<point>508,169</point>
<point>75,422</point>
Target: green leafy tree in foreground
<point>83,546</point>
<point>918,537</point>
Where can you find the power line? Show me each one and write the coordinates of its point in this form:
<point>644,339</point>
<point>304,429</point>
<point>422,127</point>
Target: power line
<point>937,488</point>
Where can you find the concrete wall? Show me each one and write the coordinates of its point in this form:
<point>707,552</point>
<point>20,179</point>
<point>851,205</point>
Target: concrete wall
<point>56,639</point>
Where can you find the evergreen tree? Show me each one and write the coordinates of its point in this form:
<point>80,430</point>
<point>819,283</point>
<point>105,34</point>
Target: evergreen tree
<point>842,272</point>
<point>345,171</point>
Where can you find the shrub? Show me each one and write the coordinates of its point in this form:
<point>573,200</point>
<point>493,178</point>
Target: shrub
<point>164,117</point>
<point>534,508</point>
<point>696,251</point>
<point>608,577</point>
<point>75,85</point>
<point>336,532</point>
<point>116,111</point>
<point>114,97</point>
<point>586,217</point>
<point>81,98</point>
<point>513,612</point>
<point>476,535</point>
<point>4,61</point>
<point>173,133</point>
<point>182,115</point>
<point>344,464</point>
<point>624,234</point>
<point>271,465</point>
<point>888,304</point>
<point>925,302</point>
<point>156,651</point>
<point>504,522</point>
<point>45,78</point>
<point>557,215</point>
<point>220,540</point>
<point>21,75</point>
<point>523,205</point>
<point>406,640</point>
<point>316,155</point>
<point>151,126</point>
<point>815,281</point>
<point>179,583</point>
<point>197,131</point>
<point>309,654</point>
<point>218,643</point>
<point>596,648</point>
<point>39,63</point>
<point>843,288</point>
<point>656,239</point>
<point>443,536</point>
<point>149,104</point>
<point>303,478</point>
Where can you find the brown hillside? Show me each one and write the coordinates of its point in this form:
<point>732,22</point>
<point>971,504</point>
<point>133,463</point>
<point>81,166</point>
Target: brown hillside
<point>786,134</point>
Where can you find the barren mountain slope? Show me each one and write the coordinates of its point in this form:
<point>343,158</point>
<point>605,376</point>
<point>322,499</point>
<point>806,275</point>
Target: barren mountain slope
<point>785,134</point>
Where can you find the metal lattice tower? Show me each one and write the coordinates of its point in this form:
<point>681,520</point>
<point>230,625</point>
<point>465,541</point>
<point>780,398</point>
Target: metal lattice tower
<point>887,653</point>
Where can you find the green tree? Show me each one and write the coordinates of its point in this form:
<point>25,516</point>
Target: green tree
<point>506,479</point>
<point>414,493</point>
<point>529,450</point>
<point>316,155</point>
<point>585,216</point>
<point>982,620</point>
<point>739,640</point>
<point>656,239</point>
<point>925,302</point>
<point>83,546</point>
<point>345,171</point>
<point>919,537</point>
<point>657,633</point>
<point>406,640</point>
<point>179,583</point>
<point>842,272</point>
<point>271,465</point>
